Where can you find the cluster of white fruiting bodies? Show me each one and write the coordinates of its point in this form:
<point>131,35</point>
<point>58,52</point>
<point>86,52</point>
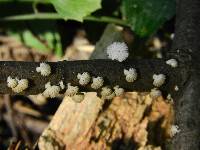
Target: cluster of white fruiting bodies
<point>44,69</point>
<point>174,130</point>
<point>118,91</point>
<point>108,93</point>
<point>131,74</point>
<point>172,62</point>
<point>155,93</point>
<point>97,82</point>
<point>17,85</point>
<point>51,91</point>
<point>71,90</point>
<point>118,51</point>
<point>84,78</point>
<point>158,79</point>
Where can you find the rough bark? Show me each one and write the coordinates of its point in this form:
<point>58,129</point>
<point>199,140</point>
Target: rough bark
<point>111,71</point>
<point>187,103</point>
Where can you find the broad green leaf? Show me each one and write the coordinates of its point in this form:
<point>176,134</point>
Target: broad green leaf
<point>146,16</point>
<point>75,9</point>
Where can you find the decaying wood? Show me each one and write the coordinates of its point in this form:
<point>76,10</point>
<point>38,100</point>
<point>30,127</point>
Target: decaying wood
<point>71,123</point>
<point>127,122</point>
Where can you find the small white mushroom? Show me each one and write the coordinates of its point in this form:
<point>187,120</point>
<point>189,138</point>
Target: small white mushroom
<point>111,96</point>
<point>44,69</point>
<point>174,130</point>
<point>47,85</point>
<point>131,74</point>
<point>118,91</point>
<point>62,86</point>
<point>21,86</point>
<point>51,91</point>
<point>170,99</point>
<point>107,93</point>
<point>97,83</point>
<point>172,62</point>
<point>84,78</point>
<point>118,51</point>
<point>71,90</point>
<point>11,83</point>
<point>78,97</point>
<point>176,88</point>
<point>159,79</point>
<point>155,93</point>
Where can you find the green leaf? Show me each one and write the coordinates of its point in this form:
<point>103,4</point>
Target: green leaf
<point>146,16</point>
<point>40,35</point>
<point>75,9</point>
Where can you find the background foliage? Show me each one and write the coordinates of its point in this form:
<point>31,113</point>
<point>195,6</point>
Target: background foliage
<point>143,17</point>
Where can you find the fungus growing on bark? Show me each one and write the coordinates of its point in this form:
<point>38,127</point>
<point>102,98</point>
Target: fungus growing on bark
<point>118,51</point>
<point>17,85</point>
<point>131,74</point>
<point>97,83</point>
<point>71,90</point>
<point>174,130</point>
<point>44,69</point>
<point>176,88</point>
<point>62,86</point>
<point>172,62</point>
<point>11,83</point>
<point>84,78</point>
<point>107,93</point>
<point>155,93</point>
<point>118,91</point>
<point>51,91</point>
<point>159,79</point>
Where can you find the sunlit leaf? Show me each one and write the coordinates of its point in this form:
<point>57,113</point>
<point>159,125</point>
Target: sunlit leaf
<point>75,9</point>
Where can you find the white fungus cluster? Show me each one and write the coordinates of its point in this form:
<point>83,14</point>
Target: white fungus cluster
<point>107,93</point>
<point>71,90</point>
<point>44,69</point>
<point>62,86</point>
<point>84,78</point>
<point>97,83</point>
<point>158,79</point>
<point>118,91</point>
<point>78,97</point>
<point>131,74</point>
<point>118,51</point>
<point>172,62</point>
<point>51,90</point>
<point>155,93</point>
<point>176,88</point>
<point>17,85</point>
<point>174,130</point>
<point>11,83</point>
<point>169,98</point>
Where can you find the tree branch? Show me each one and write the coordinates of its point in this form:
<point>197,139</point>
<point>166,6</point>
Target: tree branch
<point>187,103</point>
<point>111,71</point>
